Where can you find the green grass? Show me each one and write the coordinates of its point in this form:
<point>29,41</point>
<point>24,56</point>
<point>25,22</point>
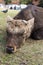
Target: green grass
<point>31,53</point>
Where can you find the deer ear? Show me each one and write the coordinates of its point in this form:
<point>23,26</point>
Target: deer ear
<point>9,18</point>
<point>31,21</point>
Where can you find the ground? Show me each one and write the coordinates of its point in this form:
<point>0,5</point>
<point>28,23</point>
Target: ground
<point>31,53</point>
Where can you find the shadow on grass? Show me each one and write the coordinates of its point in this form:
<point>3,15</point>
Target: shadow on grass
<point>2,41</point>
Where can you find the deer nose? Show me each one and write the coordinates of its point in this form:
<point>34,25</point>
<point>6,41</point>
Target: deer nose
<point>9,49</point>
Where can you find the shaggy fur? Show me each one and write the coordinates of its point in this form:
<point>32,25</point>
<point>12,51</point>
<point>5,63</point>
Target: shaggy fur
<point>37,13</point>
<point>18,31</point>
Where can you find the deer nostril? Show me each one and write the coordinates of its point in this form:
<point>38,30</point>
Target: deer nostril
<point>9,50</point>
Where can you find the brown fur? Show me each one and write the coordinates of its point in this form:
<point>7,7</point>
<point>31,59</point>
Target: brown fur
<point>18,31</point>
<point>37,13</point>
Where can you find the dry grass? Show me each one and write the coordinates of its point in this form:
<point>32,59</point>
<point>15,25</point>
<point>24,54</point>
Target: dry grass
<point>31,53</point>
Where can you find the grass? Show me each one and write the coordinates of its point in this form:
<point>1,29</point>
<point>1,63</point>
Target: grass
<point>31,53</point>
